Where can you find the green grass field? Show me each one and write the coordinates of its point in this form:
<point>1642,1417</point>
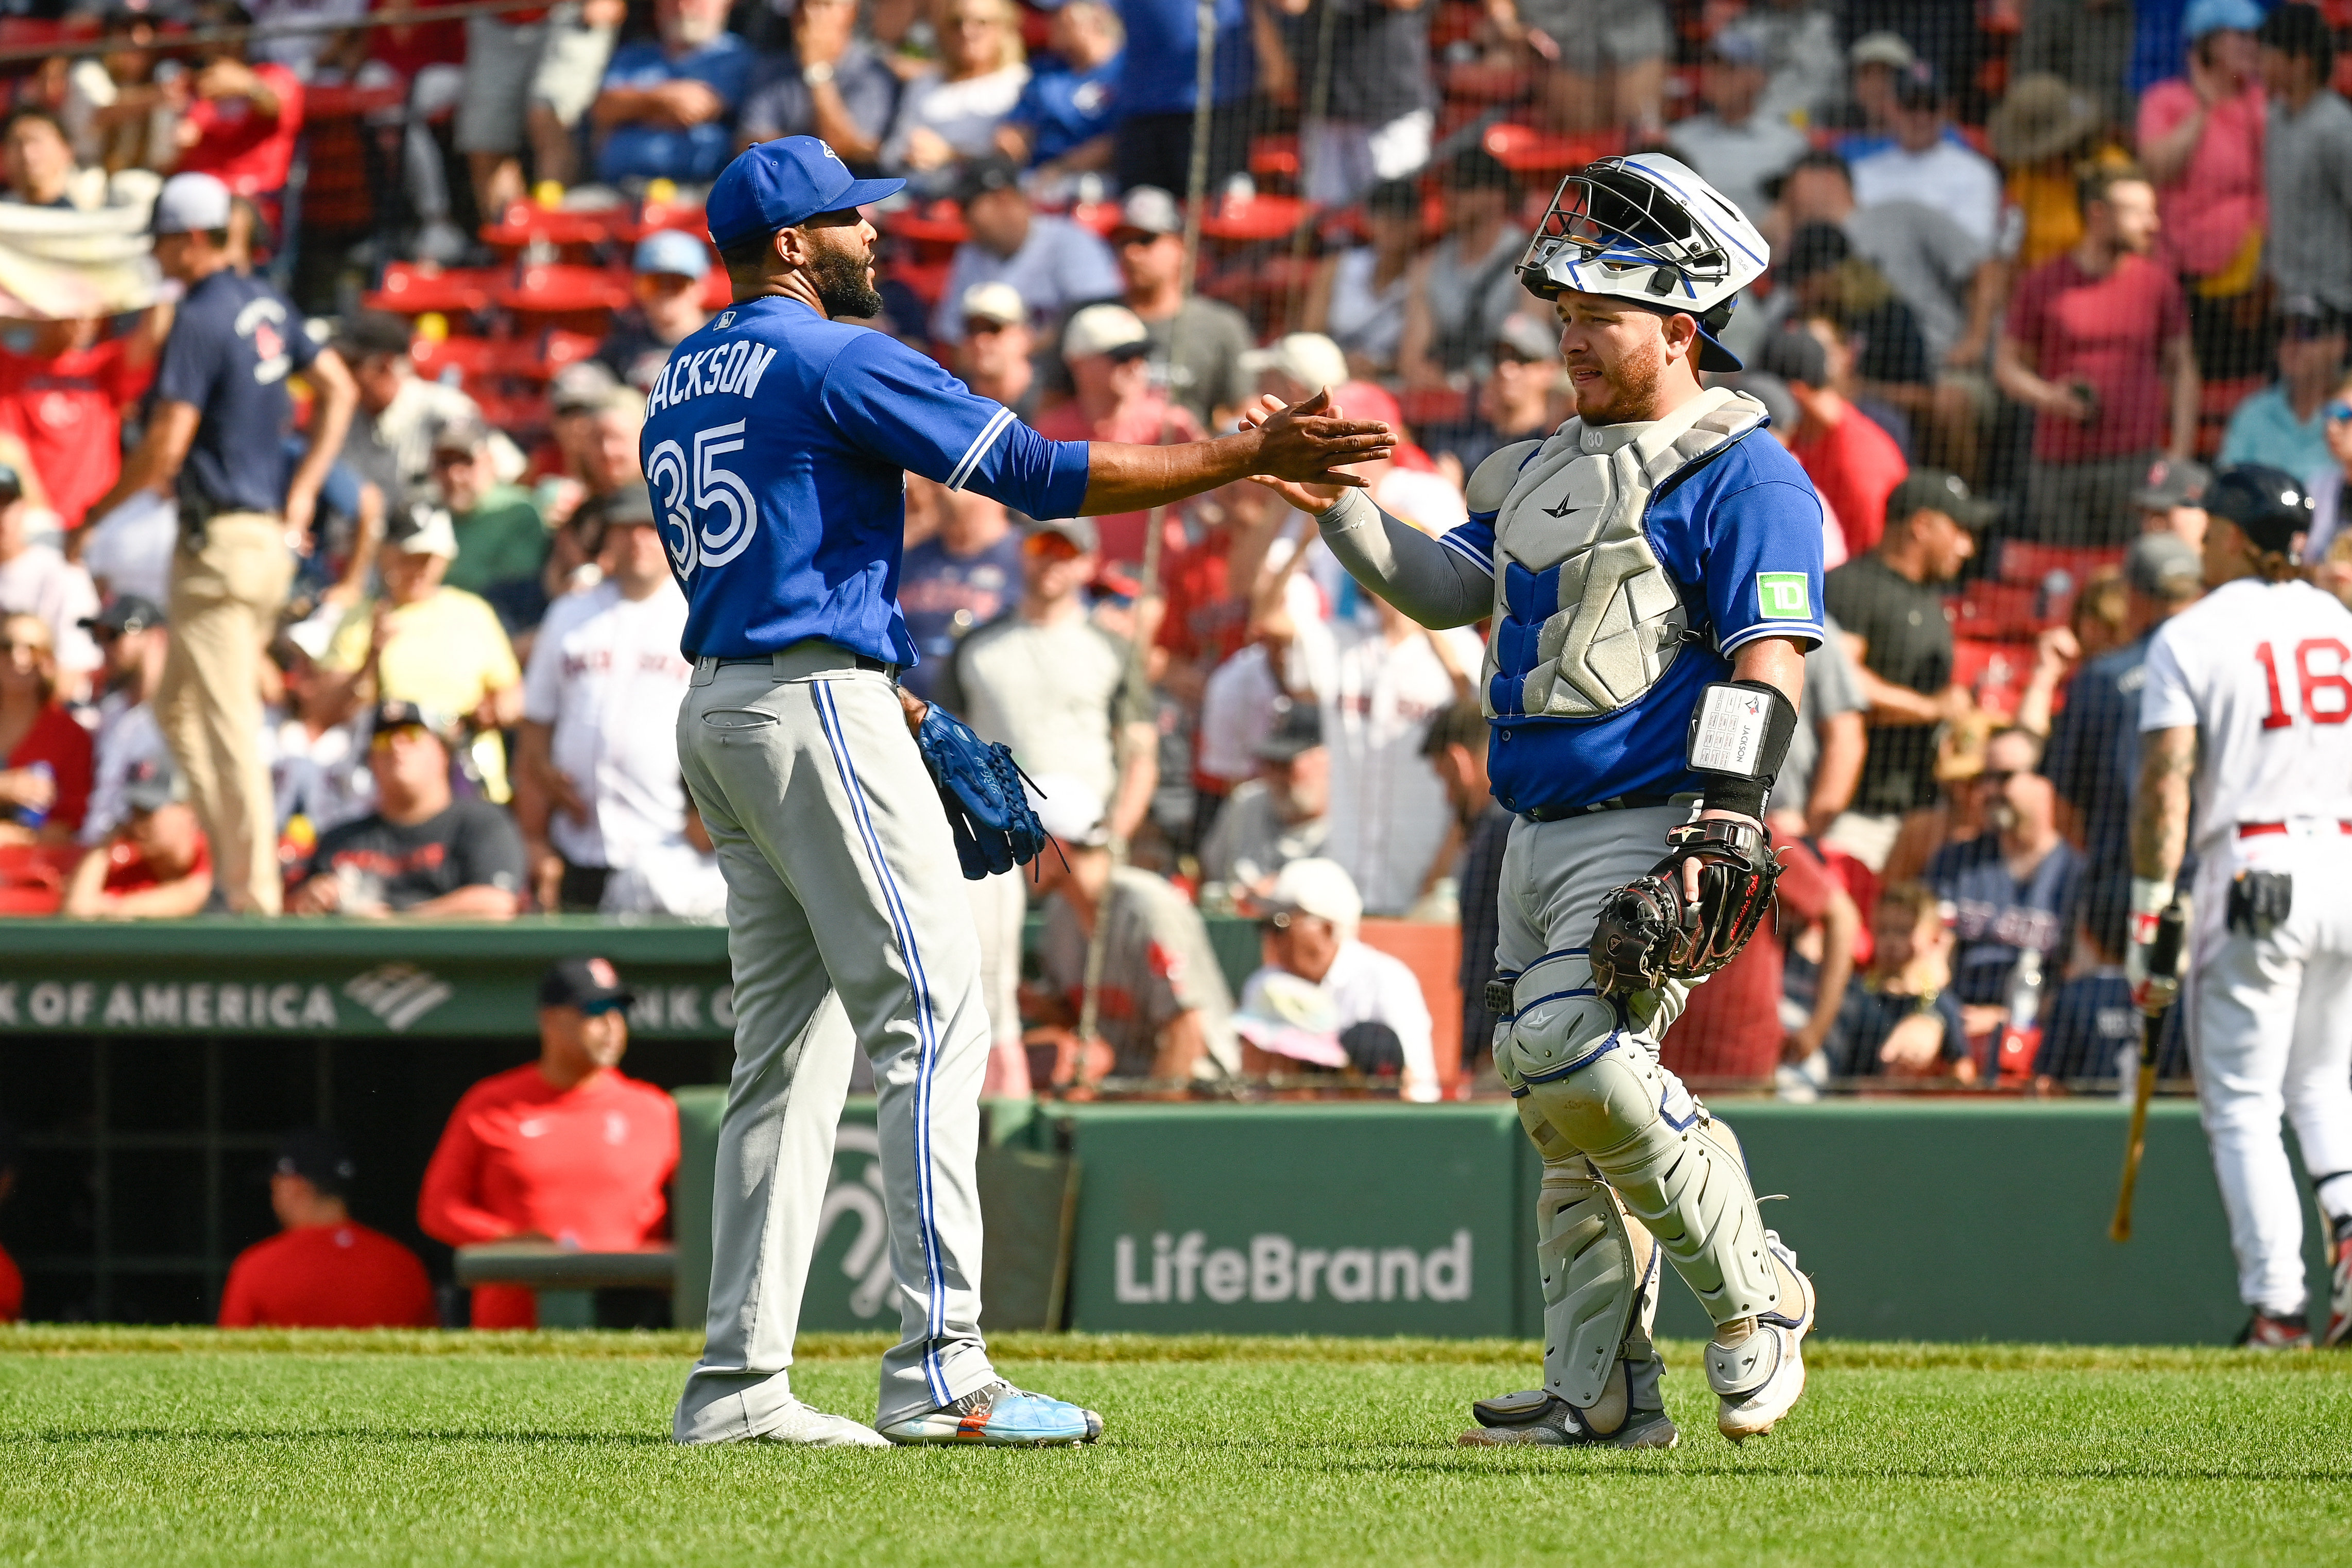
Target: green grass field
<point>147,1447</point>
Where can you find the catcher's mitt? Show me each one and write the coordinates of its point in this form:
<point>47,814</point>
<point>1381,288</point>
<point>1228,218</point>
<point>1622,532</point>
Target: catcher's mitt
<point>980,785</point>
<point>1647,934</point>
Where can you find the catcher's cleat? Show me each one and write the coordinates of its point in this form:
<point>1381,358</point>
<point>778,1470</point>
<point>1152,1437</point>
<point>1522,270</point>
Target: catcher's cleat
<point>2266,1331</point>
<point>1538,1418</point>
<point>2340,1305</point>
<point>1000,1415</point>
<point>1757,1380</point>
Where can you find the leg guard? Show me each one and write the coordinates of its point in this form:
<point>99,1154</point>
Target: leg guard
<point>1678,1170</point>
<point>1599,1273</point>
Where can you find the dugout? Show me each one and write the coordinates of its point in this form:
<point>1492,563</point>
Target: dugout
<point>150,1067</point>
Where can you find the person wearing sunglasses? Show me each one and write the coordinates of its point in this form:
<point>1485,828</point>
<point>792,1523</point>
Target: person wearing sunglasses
<point>2285,425</point>
<point>423,852</point>
<point>564,1149</point>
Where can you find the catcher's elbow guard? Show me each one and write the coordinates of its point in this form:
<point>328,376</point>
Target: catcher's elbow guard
<point>1740,734</point>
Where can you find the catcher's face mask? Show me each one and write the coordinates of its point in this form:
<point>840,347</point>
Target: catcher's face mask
<point>1650,232</point>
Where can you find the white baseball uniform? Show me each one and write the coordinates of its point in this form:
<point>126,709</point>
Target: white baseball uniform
<point>607,676</point>
<point>2263,671</point>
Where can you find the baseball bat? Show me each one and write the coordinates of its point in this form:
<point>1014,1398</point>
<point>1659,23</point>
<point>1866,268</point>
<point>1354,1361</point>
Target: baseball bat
<point>2163,966</point>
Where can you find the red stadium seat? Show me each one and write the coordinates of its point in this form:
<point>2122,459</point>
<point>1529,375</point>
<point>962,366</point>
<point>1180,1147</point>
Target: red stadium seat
<point>1475,81</point>
<point>1994,610</point>
<point>1255,217</point>
<point>555,290</point>
<point>941,222</point>
<point>527,221</point>
<point>341,102</point>
<point>1426,406</point>
<point>471,357</point>
<point>2030,565</point>
<point>654,216</point>
<point>409,289</point>
<point>1275,157</point>
<point>1996,670</point>
<point>1524,150</point>
<point>927,279</point>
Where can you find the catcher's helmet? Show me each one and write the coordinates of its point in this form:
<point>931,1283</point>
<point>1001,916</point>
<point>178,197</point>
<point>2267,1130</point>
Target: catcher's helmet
<point>1649,231</point>
<point>2270,505</point>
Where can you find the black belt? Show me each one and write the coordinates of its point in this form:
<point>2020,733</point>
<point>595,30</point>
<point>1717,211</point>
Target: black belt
<point>1622,803</point>
<point>877,665</point>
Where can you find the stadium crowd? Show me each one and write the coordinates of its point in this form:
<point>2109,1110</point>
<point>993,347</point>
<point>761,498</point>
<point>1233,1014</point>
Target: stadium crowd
<point>332,587</point>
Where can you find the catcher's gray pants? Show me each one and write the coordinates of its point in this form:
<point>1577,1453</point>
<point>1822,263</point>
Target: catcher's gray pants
<point>847,929</point>
<point>1596,1102</point>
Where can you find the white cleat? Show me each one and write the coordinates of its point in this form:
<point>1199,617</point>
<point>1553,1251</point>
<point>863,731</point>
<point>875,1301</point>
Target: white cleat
<point>1757,1380</point>
<point>807,1428</point>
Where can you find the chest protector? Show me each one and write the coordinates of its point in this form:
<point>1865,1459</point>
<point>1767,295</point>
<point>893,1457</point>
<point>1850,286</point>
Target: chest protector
<point>1586,618</point>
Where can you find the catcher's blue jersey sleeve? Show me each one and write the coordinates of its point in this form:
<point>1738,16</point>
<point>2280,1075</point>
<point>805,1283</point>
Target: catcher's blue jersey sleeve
<point>777,446</point>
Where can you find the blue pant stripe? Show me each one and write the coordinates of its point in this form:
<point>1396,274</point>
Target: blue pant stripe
<point>936,1317</point>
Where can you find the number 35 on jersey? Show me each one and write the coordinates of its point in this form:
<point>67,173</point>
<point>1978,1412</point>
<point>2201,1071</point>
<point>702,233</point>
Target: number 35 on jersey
<point>708,514</point>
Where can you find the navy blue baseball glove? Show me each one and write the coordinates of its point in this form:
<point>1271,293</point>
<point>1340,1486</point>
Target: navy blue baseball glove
<point>995,828</point>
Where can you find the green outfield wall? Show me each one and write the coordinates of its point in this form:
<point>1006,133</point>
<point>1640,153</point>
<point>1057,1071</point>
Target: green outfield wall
<point>1931,1220</point>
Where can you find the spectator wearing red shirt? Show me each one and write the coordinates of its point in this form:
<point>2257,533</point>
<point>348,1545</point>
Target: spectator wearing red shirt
<point>45,785</point>
<point>1852,461</point>
<point>1108,352</point>
<point>2097,345</point>
<point>562,1149</point>
<point>64,398</point>
<point>1735,1030</point>
<point>156,866</point>
<point>242,120</point>
<point>324,1269</point>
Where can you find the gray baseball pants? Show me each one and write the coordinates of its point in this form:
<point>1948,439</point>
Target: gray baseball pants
<point>848,928</point>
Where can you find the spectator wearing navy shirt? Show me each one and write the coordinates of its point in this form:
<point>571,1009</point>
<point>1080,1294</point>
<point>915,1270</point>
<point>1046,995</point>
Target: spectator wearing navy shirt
<point>2012,887</point>
<point>962,577</point>
<point>1899,1018</point>
<point>668,271</point>
<point>1158,88</point>
<point>668,106</point>
<point>1063,123</point>
<point>2092,758</point>
<point>216,432</point>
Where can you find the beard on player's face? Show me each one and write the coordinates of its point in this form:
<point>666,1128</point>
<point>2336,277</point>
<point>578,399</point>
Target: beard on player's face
<point>841,268</point>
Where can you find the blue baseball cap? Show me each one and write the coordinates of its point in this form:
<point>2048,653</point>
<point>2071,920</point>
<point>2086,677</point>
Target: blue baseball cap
<point>2205,17</point>
<point>781,183</point>
<point>671,250</point>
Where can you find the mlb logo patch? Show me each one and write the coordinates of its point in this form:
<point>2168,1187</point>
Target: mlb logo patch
<point>1783,596</point>
<point>726,320</point>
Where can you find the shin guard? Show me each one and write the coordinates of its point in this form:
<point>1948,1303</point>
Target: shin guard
<point>1599,1276</point>
<point>1678,1172</point>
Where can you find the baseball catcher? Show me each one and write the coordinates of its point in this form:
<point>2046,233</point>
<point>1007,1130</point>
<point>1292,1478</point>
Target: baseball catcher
<point>1653,572</point>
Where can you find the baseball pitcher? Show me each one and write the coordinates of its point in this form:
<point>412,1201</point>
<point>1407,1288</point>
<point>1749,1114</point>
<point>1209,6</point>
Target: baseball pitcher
<point>2248,693</point>
<point>1653,573</point>
<point>777,442</point>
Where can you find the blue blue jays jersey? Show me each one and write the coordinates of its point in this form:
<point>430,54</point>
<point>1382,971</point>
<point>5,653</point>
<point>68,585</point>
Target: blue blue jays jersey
<point>777,446</point>
<point>1739,535</point>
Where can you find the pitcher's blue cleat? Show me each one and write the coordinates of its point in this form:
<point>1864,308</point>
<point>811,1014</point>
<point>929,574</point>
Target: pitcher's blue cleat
<point>1002,1417</point>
